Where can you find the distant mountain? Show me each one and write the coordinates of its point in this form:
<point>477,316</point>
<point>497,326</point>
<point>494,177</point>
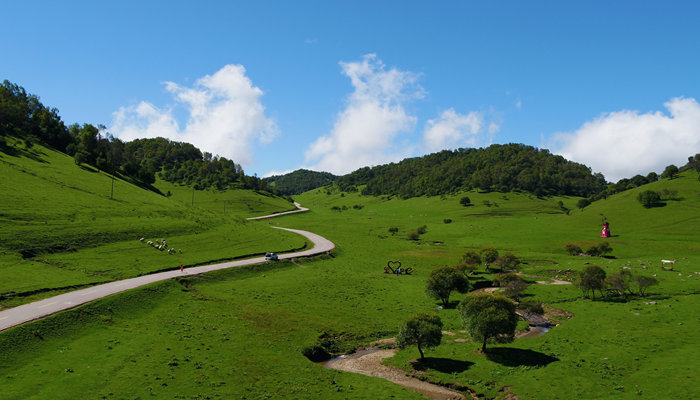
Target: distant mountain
<point>501,168</point>
<point>300,181</point>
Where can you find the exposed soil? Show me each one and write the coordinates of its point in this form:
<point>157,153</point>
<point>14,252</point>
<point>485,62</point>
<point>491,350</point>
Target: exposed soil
<point>369,362</point>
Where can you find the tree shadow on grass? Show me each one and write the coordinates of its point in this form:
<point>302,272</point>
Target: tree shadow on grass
<point>512,357</point>
<point>446,365</point>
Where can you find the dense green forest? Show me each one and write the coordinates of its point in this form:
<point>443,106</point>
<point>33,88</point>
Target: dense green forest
<point>300,181</point>
<point>23,116</point>
<point>501,168</point>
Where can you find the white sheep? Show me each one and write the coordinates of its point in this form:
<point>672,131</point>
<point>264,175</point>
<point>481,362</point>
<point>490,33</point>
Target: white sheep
<point>150,243</point>
<point>142,239</point>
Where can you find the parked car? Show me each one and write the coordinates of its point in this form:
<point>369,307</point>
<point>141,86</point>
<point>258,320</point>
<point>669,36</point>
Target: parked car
<point>271,257</point>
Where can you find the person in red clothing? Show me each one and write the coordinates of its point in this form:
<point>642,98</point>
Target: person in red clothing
<point>606,230</point>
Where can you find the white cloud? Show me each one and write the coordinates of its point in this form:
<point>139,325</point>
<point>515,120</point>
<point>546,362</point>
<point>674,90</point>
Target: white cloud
<point>452,130</point>
<point>364,133</point>
<point>277,173</point>
<point>225,116</point>
<point>625,143</point>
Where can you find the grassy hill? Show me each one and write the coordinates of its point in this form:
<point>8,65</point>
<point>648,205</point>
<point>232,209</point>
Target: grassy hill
<point>240,333</point>
<point>62,226</point>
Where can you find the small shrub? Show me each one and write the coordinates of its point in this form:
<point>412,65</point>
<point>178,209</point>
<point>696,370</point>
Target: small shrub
<point>315,353</point>
<point>358,206</point>
<point>504,279</point>
<point>447,221</point>
<point>412,235</point>
<point>573,250</point>
<point>514,289</point>
<point>534,307</point>
<point>393,230</point>
<point>465,201</point>
<point>471,258</point>
<point>422,229</point>
<point>599,250</point>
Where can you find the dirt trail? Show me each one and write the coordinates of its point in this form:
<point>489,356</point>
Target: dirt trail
<point>369,363</point>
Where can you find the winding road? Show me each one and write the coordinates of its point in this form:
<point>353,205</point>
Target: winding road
<point>39,309</point>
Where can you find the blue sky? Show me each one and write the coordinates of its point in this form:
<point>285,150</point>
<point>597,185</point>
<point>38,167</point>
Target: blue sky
<point>336,85</point>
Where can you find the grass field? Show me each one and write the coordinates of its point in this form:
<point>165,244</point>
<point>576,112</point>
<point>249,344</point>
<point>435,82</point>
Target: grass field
<point>61,229</point>
<point>240,333</point>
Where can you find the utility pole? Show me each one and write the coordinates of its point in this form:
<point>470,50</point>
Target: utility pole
<point>192,197</point>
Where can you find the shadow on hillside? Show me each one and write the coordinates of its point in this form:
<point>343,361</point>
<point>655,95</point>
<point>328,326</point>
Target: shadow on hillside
<point>446,365</point>
<point>14,151</point>
<point>512,357</point>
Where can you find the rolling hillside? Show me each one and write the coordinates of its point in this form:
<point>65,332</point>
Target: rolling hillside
<point>65,225</point>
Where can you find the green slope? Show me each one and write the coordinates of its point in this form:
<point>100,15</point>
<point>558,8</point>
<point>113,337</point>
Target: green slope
<point>60,228</point>
<point>239,334</point>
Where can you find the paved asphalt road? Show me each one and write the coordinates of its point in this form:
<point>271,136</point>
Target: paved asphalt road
<point>38,309</point>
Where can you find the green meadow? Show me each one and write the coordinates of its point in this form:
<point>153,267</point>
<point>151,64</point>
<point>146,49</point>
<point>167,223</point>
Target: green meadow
<point>64,226</point>
<point>240,333</point>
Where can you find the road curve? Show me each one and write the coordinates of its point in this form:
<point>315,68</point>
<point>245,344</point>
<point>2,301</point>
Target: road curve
<point>39,309</point>
<point>298,210</point>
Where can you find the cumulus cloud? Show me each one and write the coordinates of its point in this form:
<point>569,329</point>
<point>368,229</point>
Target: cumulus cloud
<point>225,116</point>
<point>451,130</point>
<point>625,143</point>
<point>365,132</point>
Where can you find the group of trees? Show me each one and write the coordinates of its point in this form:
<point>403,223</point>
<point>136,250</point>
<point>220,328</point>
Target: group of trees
<point>500,168</point>
<point>486,316</point>
<point>597,250</point>
<point>299,181</point>
<point>23,116</point>
<point>622,283</point>
<point>489,256</point>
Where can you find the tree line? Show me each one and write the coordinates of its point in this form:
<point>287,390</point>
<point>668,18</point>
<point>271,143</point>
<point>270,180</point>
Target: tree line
<point>501,168</point>
<point>300,181</point>
<point>23,116</point>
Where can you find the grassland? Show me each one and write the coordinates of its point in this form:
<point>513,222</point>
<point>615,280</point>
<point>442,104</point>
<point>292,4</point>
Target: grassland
<point>62,226</point>
<point>239,333</point>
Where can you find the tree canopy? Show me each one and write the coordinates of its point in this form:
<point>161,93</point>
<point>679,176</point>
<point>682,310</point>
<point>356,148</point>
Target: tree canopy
<point>495,168</point>
<point>443,281</point>
<point>488,317</point>
<point>423,330</point>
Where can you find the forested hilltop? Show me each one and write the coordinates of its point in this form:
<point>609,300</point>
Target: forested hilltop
<point>23,116</point>
<point>499,168</point>
<point>300,181</point>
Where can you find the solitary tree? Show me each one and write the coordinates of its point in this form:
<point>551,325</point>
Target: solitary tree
<point>443,281</point>
<point>649,198</point>
<point>423,330</point>
<point>669,172</point>
<point>488,317</point>
<point>489,255</point>
<point>465,201</point>
<point>643,283</point>
<point>514,289</point>
<point>583,203</point>
<point>508,262</point>
<point>592,278</point>
<point>619,282</point>
<point>471,258</point>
